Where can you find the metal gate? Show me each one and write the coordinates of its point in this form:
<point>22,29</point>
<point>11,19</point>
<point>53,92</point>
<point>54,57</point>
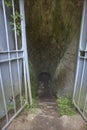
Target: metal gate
<point>80,89</point>
<point>14,72</point>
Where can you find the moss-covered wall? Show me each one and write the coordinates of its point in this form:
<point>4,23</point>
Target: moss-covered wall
<point>51,25</point>
<point>45,33</point>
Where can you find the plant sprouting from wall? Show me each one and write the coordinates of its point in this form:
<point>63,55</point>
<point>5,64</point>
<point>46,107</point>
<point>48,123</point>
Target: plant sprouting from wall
<point>8,3</point>
<point>15,18</point>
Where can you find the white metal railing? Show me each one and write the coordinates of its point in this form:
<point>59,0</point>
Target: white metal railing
<point>15,63</point>
<point>80,87</point>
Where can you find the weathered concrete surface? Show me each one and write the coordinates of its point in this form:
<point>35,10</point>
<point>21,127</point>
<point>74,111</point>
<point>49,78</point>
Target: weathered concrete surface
<point>52,26</point>
<point>46,117</point>
<point>64,77</point>
<point>65,73</point>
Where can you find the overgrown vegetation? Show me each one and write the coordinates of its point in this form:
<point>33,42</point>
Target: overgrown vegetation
<point>65,106</point>
<point>15,19</point>
<point>33,106</point>
<point>10,107</point>
<point>8,3</point>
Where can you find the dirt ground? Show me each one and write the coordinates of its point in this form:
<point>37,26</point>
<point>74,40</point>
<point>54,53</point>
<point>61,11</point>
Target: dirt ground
<point>46,117</point>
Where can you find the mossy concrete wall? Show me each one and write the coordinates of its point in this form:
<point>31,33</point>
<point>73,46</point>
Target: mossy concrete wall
<point>64,76</point>
<point>53,28</point>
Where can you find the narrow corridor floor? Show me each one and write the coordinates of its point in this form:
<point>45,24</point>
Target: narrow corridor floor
<point>46,117</point>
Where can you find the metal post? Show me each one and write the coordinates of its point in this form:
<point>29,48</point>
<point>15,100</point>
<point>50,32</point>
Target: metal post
<point>24,43</point>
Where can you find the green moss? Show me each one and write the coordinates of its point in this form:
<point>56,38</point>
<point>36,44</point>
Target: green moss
<point>58,25</point>
<point>33,106</point>
<point>65,106</point>
<point>33,81</point>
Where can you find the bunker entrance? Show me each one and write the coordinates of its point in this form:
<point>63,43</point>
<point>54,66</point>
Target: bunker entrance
<point>52,28</point>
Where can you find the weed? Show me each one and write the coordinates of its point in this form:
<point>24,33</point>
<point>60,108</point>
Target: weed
<point>31,107</point>
<point>15,18</point>
<point>65,106</point>
<point>8,3</point>
<point>10,107</point>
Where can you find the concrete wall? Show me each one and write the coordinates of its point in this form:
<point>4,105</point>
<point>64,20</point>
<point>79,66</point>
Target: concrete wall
<point>64,77</point>
<point>53,28</point>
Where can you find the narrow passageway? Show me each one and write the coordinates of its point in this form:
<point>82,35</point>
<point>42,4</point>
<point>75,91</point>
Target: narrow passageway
<point>46,117</point>
<point>52,28</point>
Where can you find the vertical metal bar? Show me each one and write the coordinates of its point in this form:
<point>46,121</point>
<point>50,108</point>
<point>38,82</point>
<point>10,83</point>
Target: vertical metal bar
<point>3,93</point>
<point>86,93</point>
<point>18,67</point>
<point>81,36</point>
<point>7,38</point>
<point>24,44</point>
<point>85,104</point>
<point>76,78</point>
<point>25,80</point>
<point>82,23</point>
<point>82,77</point>
<point>15,29</point>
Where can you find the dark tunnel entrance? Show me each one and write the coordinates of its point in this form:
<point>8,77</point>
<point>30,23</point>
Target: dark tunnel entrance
<point>44,89</point>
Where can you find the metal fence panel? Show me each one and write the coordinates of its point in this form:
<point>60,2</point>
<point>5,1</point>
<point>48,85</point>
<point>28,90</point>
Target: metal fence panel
<point>14,71</point>
<point>80,89</point>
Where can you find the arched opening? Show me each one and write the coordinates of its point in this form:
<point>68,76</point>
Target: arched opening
<point>44,80</point>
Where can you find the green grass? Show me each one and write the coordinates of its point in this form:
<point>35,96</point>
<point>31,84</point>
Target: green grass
<point>31,107</point>
<point>65,106</point>
<point>10,107</point>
